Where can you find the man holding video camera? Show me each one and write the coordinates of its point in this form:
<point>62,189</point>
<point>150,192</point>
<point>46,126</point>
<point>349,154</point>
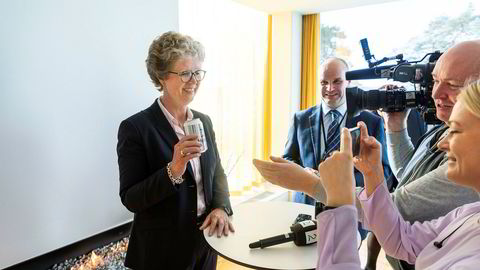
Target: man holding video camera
<point>315,131</point>
<point>424,192</point>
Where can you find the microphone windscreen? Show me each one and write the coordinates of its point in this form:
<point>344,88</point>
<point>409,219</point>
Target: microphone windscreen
<point>305,232</point>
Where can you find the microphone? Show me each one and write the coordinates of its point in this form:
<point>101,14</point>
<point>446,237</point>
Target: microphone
<point>274,240</point>
<point>303,233</point>
<point>366,50</point>
<point>438,244</point>
<point>382,72</point>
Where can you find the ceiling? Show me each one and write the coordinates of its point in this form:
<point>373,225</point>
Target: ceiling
<point>306,6</point>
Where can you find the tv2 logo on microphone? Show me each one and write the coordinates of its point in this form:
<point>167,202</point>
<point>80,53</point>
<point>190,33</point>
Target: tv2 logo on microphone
<point>310,236</point>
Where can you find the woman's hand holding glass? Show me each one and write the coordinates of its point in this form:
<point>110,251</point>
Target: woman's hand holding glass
<point>369,161</point>
<point>186,149</point>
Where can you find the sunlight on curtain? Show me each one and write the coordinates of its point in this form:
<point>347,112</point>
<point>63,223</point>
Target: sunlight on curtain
<point>235,40</point>
<point>310,37</point>
<point>267,122</point>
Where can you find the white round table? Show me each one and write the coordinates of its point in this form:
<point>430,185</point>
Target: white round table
<point>259,220</point>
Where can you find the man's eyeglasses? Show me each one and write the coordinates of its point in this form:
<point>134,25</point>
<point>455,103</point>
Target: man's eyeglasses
<point>187,75</point>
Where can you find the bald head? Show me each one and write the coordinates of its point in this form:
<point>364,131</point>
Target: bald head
<point>334,63</point>
<point>457,66</point>
<point>461,61</point>
<point>333,82</point>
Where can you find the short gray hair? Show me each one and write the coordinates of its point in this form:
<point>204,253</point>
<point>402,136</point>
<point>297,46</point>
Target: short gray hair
<point>166,50</point>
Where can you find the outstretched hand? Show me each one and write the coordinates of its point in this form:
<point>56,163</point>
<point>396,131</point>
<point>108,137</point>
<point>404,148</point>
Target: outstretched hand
<point>286,174</point>
<point>337,173</point>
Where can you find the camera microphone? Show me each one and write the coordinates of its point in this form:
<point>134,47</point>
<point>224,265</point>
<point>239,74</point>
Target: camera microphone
<point>382,72</point>
<point>366,50</point>
<point>303,233</point>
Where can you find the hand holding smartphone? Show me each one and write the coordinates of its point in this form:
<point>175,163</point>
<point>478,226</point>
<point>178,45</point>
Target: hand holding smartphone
<point>355,133</point>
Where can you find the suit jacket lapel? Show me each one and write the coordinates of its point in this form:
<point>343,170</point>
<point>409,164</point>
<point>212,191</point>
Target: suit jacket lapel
<point>314,120</point>
<point>166,131</point>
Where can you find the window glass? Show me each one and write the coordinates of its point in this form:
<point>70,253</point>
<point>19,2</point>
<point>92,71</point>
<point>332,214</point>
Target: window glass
<point>412,28</point>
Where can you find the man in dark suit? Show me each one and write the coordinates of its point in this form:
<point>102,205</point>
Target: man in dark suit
<point>308,143</point>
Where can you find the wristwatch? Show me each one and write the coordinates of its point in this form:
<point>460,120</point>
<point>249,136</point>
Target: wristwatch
<point>227,210</point>
<point>320,207</point>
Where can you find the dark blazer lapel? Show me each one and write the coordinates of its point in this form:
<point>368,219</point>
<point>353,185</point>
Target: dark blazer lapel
<point>314,120</point>
<point>350,122</point>
<point>166,131</point>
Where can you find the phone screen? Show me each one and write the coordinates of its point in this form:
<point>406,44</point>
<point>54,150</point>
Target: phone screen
<point>355,133</point>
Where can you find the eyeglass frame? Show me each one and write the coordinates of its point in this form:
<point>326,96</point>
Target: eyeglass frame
<point>192,74</point>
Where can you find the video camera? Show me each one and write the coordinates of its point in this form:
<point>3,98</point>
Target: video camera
<point>398,99</point>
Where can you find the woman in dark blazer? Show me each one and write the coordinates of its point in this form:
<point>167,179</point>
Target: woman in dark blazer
<point>174,190</point>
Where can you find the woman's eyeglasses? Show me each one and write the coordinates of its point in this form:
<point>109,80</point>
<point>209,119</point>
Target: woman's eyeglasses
<point>187,75</point>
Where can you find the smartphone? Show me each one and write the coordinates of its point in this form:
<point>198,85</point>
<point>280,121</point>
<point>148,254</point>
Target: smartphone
<point>355,133</point>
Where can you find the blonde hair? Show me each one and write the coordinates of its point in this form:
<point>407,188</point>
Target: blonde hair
<point>166,50</point>
<point>470,96</point>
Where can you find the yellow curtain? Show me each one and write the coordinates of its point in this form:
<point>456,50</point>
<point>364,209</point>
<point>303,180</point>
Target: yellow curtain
<point>267,97</point>
<point>310,36</point>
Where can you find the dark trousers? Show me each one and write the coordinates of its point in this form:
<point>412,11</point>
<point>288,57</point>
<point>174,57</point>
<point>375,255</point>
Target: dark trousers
<point>363,232</point>
<point>204,257</point>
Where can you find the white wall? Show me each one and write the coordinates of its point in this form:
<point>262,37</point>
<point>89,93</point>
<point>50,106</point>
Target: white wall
<point>286,62</point>
<point>70,71</point>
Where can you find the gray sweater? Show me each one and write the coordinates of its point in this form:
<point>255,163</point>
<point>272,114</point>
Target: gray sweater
<point>429,196</point>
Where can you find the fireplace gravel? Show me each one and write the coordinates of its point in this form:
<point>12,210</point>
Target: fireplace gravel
<point>109,257</point>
